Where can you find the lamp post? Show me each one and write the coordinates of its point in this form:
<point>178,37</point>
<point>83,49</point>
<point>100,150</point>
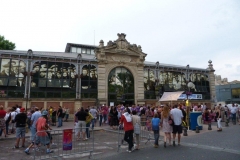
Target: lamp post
<point>188,93</point>
<point>157,89</point>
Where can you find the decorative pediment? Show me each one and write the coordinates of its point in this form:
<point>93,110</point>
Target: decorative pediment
<point>120,47</point>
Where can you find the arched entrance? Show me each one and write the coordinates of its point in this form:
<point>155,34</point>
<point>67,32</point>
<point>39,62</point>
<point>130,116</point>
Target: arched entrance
<point>120,86</point>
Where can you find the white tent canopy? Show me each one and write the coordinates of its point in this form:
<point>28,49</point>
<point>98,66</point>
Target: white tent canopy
<point>171,96</point>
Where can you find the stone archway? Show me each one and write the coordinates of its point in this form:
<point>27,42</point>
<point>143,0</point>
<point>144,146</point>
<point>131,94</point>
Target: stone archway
<point>121,86</point>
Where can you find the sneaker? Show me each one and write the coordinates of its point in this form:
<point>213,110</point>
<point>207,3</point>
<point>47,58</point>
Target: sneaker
<point>49,151</point>
<point>27,151</point>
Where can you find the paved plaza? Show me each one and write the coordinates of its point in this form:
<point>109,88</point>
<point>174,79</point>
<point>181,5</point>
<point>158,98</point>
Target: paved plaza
<point>204,145</point>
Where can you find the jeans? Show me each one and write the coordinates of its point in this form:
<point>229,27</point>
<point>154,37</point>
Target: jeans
<point>128,137</point>
<point>59,121</point>
<point>156,136</point>
<point>100,120</point>
<point>93,122</point>
<point>233,117</point>
<point>87,130</point>
<point>7,124</point>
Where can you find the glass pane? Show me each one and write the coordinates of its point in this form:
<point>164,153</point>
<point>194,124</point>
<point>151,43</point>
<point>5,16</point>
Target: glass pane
<point>83,50</point>
<point>79,50</point>
<point>73,49</point>
<point>57,95</point>
<point>50,95</point>
<point>88,51</point>
<point>92,52</point>
<point>34,94</point>
<point>41,95</point>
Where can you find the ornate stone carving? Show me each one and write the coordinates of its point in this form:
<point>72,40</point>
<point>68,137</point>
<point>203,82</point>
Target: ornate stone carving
<point>119,58</point>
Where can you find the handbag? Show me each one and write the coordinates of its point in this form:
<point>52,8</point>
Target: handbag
<point>137,128</point>
<point>170,121</point>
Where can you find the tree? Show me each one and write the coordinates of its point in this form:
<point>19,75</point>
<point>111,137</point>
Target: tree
<point>6,44</point>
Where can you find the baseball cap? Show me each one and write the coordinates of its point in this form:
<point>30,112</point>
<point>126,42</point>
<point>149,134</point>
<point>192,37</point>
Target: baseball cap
<point>44,113</point>
<point>22,109</point>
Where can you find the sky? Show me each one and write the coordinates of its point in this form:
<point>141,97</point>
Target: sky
<point>178,32</point>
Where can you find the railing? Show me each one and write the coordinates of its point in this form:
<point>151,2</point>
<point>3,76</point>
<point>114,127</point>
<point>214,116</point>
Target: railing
<point>67,143</point>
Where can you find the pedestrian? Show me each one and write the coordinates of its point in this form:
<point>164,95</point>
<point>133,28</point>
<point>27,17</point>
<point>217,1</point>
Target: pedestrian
<point>7,120</point>
<point>176,115</point>
<point>233,111</point>
<point>94,113</point>
<point>89,119</point>
<point>54,116</point>
<point>137,128</point>
<point>166,127</point>
<point>42,135</point>
<point>59,116</point>
<point>219,118</point>
<point>2,120</point>
<point>81,116</point>
<point>126,120</point>
<point>100,113</point>
<point>155,128</point>
<point>21,119</point>
<point>13,123</point>
<point>66,114</point>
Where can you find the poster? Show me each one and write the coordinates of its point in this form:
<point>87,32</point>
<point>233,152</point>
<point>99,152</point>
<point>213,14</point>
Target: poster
<point>111,103</point>
<point>67,139</point>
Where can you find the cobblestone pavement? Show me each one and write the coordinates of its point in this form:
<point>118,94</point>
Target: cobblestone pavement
<point>106,144</point>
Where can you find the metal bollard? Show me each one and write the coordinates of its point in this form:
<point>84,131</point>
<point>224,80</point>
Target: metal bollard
<point>185,131</point>
<point>209,126</point>
<point>197,129</point>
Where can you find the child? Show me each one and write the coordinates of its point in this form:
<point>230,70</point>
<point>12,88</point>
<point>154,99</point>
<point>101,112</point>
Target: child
<point>155,128</point>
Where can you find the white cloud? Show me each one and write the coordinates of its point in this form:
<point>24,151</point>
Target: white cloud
<point>176,32</point>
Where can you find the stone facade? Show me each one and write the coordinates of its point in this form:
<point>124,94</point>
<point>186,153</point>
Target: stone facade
<point>120,53</point>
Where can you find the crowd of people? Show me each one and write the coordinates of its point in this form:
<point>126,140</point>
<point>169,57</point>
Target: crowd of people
<point>132,119</point>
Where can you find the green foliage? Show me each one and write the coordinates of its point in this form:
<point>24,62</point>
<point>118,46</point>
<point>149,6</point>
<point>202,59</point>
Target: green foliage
<point>6,44</point>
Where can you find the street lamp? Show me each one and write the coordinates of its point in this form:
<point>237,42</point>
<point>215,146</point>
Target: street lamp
<point>188,93</point>
<point>157,81</point>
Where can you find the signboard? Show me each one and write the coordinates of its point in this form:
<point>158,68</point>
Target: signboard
<point>111,103</point>
<point>192,96</point>
<point>67,139</point>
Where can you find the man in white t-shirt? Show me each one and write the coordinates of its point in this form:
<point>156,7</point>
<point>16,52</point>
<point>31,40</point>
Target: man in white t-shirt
<point>176,115</point>
<point>13,123</point>
<point>233,111</point>
<point>94,113</point>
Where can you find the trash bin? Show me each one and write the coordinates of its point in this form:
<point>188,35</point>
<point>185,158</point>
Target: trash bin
<point>196,120</point>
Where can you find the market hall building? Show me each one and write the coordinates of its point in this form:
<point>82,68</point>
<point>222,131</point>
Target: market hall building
<point>87,75</point>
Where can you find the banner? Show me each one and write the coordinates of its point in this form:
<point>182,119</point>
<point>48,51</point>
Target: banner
<point>192,96</point>
<point>67,139</point>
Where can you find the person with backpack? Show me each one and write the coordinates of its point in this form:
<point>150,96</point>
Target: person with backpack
<point>126,120</point>
<point>12,122</point>
<point>21,120</point>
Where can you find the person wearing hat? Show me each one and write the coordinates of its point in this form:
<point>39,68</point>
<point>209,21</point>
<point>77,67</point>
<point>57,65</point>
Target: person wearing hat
<point>20,119</point>
<point>42,135</point>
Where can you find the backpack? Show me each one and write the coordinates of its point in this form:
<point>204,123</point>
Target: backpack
<point>9,118</point>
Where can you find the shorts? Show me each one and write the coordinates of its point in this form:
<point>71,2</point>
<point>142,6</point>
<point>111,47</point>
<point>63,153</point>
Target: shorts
<point>33,133</point>
<point>20,132</point>
<point>45,140</point>
<point>177,129</point>
<point>81,124</point>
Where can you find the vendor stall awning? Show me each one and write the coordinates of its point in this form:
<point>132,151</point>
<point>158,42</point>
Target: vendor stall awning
<point>171,96</point>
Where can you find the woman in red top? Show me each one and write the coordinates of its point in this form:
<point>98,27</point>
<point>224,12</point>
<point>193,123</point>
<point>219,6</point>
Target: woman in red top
<point>2,120</point>
<point>126,120</point>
